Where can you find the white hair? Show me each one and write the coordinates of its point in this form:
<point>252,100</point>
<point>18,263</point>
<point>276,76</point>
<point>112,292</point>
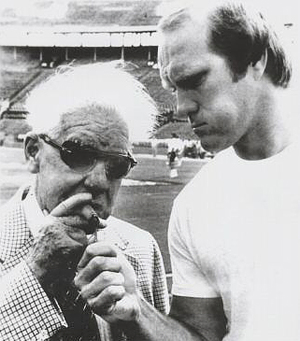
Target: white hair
<point>104,84</point>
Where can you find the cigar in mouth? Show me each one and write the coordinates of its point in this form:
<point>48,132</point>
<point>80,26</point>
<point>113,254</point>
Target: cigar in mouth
<point>95,222</point>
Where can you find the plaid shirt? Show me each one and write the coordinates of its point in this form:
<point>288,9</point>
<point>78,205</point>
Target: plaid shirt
<point>26,313</point>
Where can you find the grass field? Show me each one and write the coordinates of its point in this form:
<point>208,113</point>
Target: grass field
<point>145,202</point>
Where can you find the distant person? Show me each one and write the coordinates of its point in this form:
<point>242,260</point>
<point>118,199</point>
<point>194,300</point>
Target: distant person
<point>154,146</point>
<point>80,151</point>
<point>190,148</point>
<point>174,154</point>
<point>234,231</point>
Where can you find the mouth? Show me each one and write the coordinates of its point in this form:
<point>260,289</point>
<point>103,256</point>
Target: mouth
<point>87,226</point>
<point>198,125</point>
<point>85,220</point>
<point>101,210</point>
<point>199,128</point>
<point>83,214</point>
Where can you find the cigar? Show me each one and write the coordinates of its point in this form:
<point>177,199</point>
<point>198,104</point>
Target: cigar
<point>94,221</point>
<point>96,224</point>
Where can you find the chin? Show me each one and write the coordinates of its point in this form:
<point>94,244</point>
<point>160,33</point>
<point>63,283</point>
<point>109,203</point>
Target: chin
<point>213,144</point>
<point>209,146</point>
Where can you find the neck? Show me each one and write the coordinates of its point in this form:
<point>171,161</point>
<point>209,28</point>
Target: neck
<point>269,133</point>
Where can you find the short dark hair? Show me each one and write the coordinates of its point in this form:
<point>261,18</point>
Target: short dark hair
<point>240,36</point>
<point>243,38</point>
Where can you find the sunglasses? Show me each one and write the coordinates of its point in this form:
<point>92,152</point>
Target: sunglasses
<point>82,159</point>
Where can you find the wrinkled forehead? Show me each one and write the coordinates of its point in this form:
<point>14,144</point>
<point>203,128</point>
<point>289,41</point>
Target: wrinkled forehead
<point>99,126</point>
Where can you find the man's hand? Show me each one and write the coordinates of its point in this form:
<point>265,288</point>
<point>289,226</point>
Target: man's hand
<point>59,246</point>
<point>108,283</point>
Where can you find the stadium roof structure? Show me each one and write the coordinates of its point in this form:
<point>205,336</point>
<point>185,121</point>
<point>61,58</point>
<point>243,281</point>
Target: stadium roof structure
<point>80,23</point>
<point>78,36</point>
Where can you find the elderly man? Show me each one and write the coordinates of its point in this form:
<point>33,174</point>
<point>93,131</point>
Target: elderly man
<point>79,151</point>
<point>234,230</point>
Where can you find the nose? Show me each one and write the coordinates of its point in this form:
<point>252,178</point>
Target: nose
<point>186,104</point>
<point>96,179</point>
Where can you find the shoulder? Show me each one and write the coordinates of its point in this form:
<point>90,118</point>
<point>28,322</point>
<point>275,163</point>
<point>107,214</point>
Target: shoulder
<point>208,177</point>
<point>11,212</point>
<point>14,231</point>
<point>14,201</point>
<point>204,194</point>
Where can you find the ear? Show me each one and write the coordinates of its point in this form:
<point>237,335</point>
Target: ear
<point>259,67</point>
<point>31,148</point>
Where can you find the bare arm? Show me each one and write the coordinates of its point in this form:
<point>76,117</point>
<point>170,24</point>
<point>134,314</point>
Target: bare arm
<point>115,298</point>
<point>190,319</point>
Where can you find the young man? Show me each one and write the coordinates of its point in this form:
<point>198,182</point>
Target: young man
<point>234,230</point>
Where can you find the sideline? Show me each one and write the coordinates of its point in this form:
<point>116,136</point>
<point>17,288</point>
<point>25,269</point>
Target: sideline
<point>164,157</point>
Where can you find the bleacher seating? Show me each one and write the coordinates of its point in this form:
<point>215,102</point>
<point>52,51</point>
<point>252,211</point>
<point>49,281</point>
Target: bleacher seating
<point>151,79</point>
<point>12,81</point>
<point>15,85</point>
<point>17,82</point>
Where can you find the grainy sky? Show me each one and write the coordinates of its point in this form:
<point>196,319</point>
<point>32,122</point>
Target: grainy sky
<point>40,8</point>
<point>282,9</point>
<point>277,12</point>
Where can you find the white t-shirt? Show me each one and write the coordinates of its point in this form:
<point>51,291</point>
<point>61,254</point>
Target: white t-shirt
<point>235,233</point>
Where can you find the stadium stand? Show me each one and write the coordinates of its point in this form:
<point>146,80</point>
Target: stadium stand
<point>87,33</point>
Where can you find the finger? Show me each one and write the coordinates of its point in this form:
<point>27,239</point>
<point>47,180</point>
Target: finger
<point>97,249</point>
<point>76,234</point>
<point>66,206</point>
<point>105,302</point>
<point>97,265</point>
<point>60,236</point>
<point>104,280</point>
<point>58,253</point>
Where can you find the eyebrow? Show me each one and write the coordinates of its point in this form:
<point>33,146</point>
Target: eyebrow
<point>191,81</point>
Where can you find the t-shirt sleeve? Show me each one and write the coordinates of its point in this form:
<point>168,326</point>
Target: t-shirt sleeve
<point>188,279</point>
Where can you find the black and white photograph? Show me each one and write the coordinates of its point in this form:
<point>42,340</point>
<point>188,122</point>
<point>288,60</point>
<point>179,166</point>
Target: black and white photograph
<point>149,170</point>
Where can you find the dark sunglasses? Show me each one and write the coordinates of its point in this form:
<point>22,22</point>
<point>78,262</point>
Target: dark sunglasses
<point>82,159</point>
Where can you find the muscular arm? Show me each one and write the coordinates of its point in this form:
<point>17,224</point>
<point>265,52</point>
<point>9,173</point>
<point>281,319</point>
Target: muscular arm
<point>204,315</point>
<point>108,282</point>
<point>200,319</point>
